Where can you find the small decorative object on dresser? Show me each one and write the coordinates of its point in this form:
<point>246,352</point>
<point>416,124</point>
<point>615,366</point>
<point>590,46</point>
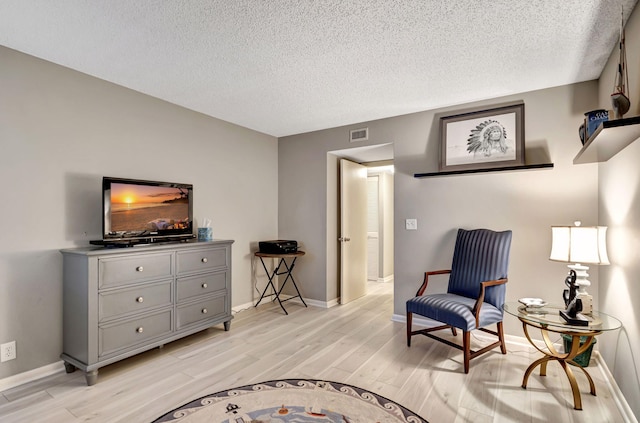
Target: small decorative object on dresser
<point>118,302</point>
<point>205,232</point>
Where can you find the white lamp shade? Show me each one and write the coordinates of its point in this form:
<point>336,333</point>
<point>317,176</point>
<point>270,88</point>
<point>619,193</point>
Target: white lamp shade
<point>579,244</point>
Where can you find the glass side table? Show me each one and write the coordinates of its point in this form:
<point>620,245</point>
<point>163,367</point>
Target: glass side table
<point>547,319</point>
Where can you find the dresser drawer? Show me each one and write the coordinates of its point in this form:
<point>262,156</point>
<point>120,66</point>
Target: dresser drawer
<point>201,260</point>
<point>123,270</point>
<point>194,286</point>
<point>130,300</point>
<point>200,311</point>
<point>116,337</point>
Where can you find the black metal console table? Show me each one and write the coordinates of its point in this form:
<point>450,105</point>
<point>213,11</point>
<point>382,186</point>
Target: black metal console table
<point>288,268</point>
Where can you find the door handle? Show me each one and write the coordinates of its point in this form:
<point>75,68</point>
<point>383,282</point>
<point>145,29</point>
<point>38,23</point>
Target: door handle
<point>345,239</point>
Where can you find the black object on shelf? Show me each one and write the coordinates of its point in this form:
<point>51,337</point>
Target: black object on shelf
<point>490,169</point>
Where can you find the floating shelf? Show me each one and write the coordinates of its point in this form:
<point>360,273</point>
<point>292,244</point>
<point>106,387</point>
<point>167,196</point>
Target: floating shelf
<point>609,139</point>
<point>490,169</point>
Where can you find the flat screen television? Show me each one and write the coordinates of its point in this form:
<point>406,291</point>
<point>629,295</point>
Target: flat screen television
<point>137,211</point>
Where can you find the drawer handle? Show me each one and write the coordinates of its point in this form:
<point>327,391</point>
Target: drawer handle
<point>140,329</point>
<point>204,311</point>
<point>139,269</point>
<point>204,285</point>
<point>140,299</point>
<point>204,259</point>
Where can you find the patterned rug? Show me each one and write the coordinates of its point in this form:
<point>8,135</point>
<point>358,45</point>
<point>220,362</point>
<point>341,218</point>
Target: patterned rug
<point>293,400</point>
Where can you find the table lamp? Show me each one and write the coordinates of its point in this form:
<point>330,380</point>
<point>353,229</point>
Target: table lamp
<point>579,245</point>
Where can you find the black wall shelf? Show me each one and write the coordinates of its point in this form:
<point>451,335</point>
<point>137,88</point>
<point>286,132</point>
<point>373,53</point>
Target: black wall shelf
<point>490,169</point>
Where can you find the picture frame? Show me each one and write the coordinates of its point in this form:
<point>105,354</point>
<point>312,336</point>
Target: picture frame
<point>482,138</point>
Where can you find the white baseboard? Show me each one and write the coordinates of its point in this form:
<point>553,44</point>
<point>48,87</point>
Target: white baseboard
<point>418,321</point>
<point>32,375</point>
<point>322,304</point>
<point>386,279</point>
<point>241,307</point>
<point>510,339</point>
<point>314,303</point>
<point>616,393</point>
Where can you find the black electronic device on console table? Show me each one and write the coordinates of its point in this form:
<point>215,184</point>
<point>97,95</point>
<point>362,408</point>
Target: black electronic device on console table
<point>279,246</point>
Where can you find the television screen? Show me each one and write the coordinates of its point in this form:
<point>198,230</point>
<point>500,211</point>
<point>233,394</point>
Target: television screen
<point>135,208</point>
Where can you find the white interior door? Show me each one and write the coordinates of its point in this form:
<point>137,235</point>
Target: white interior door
<point>353,231</point>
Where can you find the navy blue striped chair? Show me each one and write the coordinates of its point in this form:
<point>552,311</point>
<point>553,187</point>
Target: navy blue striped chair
<point>475,295</point>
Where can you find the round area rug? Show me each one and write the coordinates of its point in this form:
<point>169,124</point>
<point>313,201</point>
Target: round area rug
<point>293,400</point>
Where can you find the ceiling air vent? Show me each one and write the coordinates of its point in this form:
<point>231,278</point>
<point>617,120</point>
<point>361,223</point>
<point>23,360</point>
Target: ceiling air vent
<point>359,135</point>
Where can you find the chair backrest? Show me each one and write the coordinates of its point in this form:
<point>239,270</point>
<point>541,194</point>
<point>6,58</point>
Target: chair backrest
<point>480,255</point>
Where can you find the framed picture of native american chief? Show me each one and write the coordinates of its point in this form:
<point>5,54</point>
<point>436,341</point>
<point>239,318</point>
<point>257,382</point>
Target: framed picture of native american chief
<point>482,138</point>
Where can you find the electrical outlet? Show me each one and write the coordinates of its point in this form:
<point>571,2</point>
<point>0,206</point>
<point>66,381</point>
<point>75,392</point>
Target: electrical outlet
<point>8,351</point>
<point>411,224</point>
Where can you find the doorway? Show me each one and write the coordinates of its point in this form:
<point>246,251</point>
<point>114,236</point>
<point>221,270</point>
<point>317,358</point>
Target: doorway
<point>353,230</point>
<point>371,157</point>
<point>380,223</point>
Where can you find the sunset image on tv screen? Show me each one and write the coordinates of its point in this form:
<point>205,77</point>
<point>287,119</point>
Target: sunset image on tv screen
<point>148,208</point>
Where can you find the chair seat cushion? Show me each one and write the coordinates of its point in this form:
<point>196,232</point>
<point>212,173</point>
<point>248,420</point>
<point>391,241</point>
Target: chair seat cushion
<point>454,310</point>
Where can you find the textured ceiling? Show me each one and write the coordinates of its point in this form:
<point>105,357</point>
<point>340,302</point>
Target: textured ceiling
<point>284,67</point>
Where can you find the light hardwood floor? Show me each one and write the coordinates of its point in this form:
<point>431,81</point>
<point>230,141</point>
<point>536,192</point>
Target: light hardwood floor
<point>357,344</point>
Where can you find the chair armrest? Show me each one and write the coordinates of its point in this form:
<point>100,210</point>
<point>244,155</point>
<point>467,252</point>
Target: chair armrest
<point>423,287</point>
<point>480,299</point>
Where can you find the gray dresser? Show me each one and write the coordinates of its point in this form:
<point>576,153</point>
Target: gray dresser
<point>119,302</point>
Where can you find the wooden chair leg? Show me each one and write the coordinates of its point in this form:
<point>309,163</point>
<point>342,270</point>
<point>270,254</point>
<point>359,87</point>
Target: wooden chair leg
<point>503,346</point>
<point>409,319</point>
<point>454,331</point>
<point>466,345</point>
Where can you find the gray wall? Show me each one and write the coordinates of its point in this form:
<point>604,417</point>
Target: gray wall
<point>619,184</point>
<point>528,202</point>
<point>60,132</point>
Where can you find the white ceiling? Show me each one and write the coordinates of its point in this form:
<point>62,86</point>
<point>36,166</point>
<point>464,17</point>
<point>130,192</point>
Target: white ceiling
<point>284,67</point>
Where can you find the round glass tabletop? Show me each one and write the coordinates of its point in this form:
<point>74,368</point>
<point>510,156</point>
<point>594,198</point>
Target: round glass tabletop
<point>549,315</point>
